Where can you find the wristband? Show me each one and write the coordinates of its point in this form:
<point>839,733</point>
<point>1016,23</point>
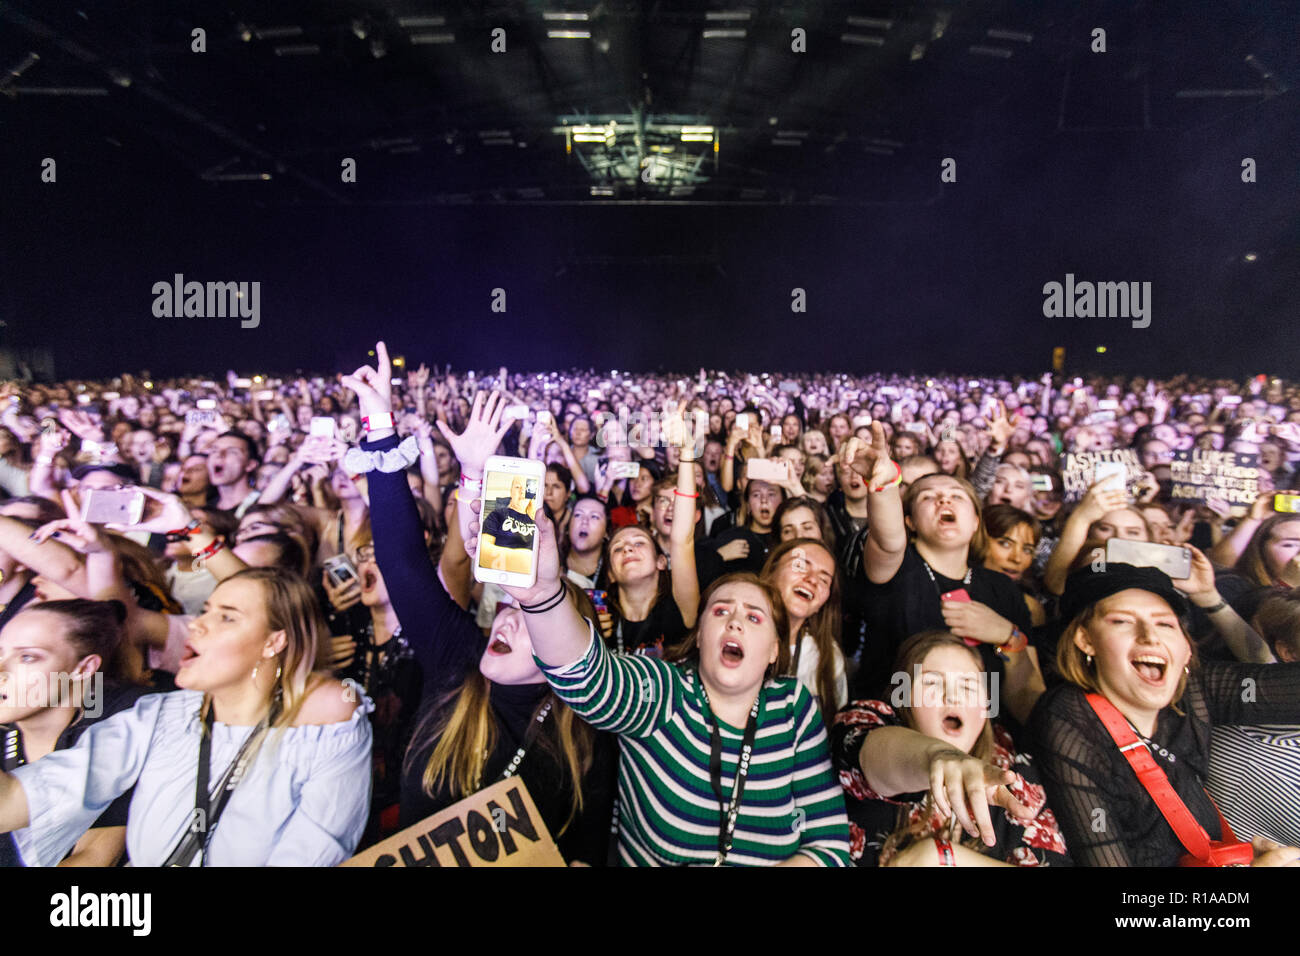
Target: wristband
<point>1215,609</point>
<point>44,460</point>
<point>897,479</point>
<point>946,856</point>
<point>378,421</point>
<point>1017,642</point>
<point>216,545</point>
<point>189,531</point>
<point>552,602</point>
<point>680,495</point>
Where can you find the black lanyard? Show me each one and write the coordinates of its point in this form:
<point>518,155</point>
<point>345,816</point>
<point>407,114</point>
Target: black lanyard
<point>204,822</point>
<point>11,758</point>
<point>533,730</point>
<point>727,813</point>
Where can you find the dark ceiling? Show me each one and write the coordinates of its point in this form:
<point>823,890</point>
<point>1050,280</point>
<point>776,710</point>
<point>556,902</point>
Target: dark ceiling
<point>1056,144</point>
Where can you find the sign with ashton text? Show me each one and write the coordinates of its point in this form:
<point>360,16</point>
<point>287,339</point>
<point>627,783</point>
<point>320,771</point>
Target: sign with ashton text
<point>498,826</point>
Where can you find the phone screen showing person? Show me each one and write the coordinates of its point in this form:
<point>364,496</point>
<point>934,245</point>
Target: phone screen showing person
<point>507,541</point>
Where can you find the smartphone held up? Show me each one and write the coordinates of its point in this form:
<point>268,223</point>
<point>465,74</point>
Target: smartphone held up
<point>507,538</point>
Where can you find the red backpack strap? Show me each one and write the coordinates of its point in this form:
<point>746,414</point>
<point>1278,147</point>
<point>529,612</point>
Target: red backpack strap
<point>1189,832</point>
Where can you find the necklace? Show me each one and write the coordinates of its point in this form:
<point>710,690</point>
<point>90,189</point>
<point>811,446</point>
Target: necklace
<point>930,571</point>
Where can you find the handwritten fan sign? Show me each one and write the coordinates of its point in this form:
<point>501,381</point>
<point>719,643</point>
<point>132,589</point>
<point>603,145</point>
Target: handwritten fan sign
<point>498,826</point>
<point>1229,476</point>
<point>1079,467</point>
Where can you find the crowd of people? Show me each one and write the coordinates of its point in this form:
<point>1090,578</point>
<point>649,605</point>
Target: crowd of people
<point>835,620</point>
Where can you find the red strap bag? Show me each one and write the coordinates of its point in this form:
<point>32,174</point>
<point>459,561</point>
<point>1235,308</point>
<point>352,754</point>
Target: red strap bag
<point>1201,850</point>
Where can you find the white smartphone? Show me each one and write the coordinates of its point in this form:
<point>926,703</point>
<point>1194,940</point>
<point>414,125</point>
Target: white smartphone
<point>1112,470</point>
<point>766,469</point>
<point>507,540</point>
<point>742,421</point>
<point>205,404</point>
<point>624,469</point>
<point>544,417</point>
<point>322,425</point>
<point>243,383</point>
<point>515,413</point>
<point>1108,404</point>
<point>116,506</point>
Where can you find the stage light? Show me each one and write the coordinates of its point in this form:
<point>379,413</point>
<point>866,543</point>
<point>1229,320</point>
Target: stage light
<point>1251,256</point>
<point>1101,349</point>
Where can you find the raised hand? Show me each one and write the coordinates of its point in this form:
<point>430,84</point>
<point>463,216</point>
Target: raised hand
<point>548,556</point>
<point>1001,428</point>
<point>81,424</point>
<point>871,461</point>
<point>1102,498</point>
<point>482,435</point>
<point>374,386</point>
<point>418,378</point>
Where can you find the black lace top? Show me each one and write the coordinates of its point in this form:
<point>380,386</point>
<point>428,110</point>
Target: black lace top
<point>1106,815</point>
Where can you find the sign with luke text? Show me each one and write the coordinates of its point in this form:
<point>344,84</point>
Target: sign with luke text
<point>498,826</point>
<point>1228,476</point>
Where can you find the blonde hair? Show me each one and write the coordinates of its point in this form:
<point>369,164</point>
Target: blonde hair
<point>466,734</point>
<point>290,605</point>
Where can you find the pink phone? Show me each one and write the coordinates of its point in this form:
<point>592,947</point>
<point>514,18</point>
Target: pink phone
<point>959,594</point>
<point>766,469</point>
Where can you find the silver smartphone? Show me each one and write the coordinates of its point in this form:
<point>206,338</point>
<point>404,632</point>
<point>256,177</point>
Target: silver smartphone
<point>1173,560</point>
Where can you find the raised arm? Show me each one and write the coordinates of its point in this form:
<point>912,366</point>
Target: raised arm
<point>413,587</point>
<point>681,537</point>
<point>1100,499</point>
<point>887,532</point>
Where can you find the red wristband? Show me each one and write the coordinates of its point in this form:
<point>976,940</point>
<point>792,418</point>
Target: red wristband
<point>946,856</point>
<point>680,495</point>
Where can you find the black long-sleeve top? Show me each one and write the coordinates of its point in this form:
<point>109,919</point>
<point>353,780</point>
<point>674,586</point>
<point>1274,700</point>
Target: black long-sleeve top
<point>1107,816</point>
<point>449,645</point>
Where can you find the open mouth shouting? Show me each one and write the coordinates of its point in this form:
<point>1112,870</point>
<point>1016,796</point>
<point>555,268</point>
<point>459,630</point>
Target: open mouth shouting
<point>946,516</point>
<point>732,653</point>
<point>189,655</point>
<point>369,579</point>
<point>953,723</point>
<point>1150,667</point>
<point>499,646</point>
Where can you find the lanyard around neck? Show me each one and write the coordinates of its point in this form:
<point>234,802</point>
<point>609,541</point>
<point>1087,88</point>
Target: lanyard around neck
<point>728,812</point>
<point>533,730</point>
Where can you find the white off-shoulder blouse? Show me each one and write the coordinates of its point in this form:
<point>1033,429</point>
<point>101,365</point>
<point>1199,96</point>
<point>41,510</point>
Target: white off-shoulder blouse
<point>303,802</point>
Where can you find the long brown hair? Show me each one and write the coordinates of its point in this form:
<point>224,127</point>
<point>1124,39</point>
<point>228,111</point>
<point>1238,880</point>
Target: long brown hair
<point>824,626</point>
<point>1251,563</point>
<point>689,650</point>
<point>464,734</point>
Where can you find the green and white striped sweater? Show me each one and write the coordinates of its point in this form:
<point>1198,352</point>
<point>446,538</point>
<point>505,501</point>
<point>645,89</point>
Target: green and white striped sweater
<point>668,812</point>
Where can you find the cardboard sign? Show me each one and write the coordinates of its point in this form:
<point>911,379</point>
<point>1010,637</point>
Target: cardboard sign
<point>1078,468</point>
<point>1226,475</point>
<point>498,826</point>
